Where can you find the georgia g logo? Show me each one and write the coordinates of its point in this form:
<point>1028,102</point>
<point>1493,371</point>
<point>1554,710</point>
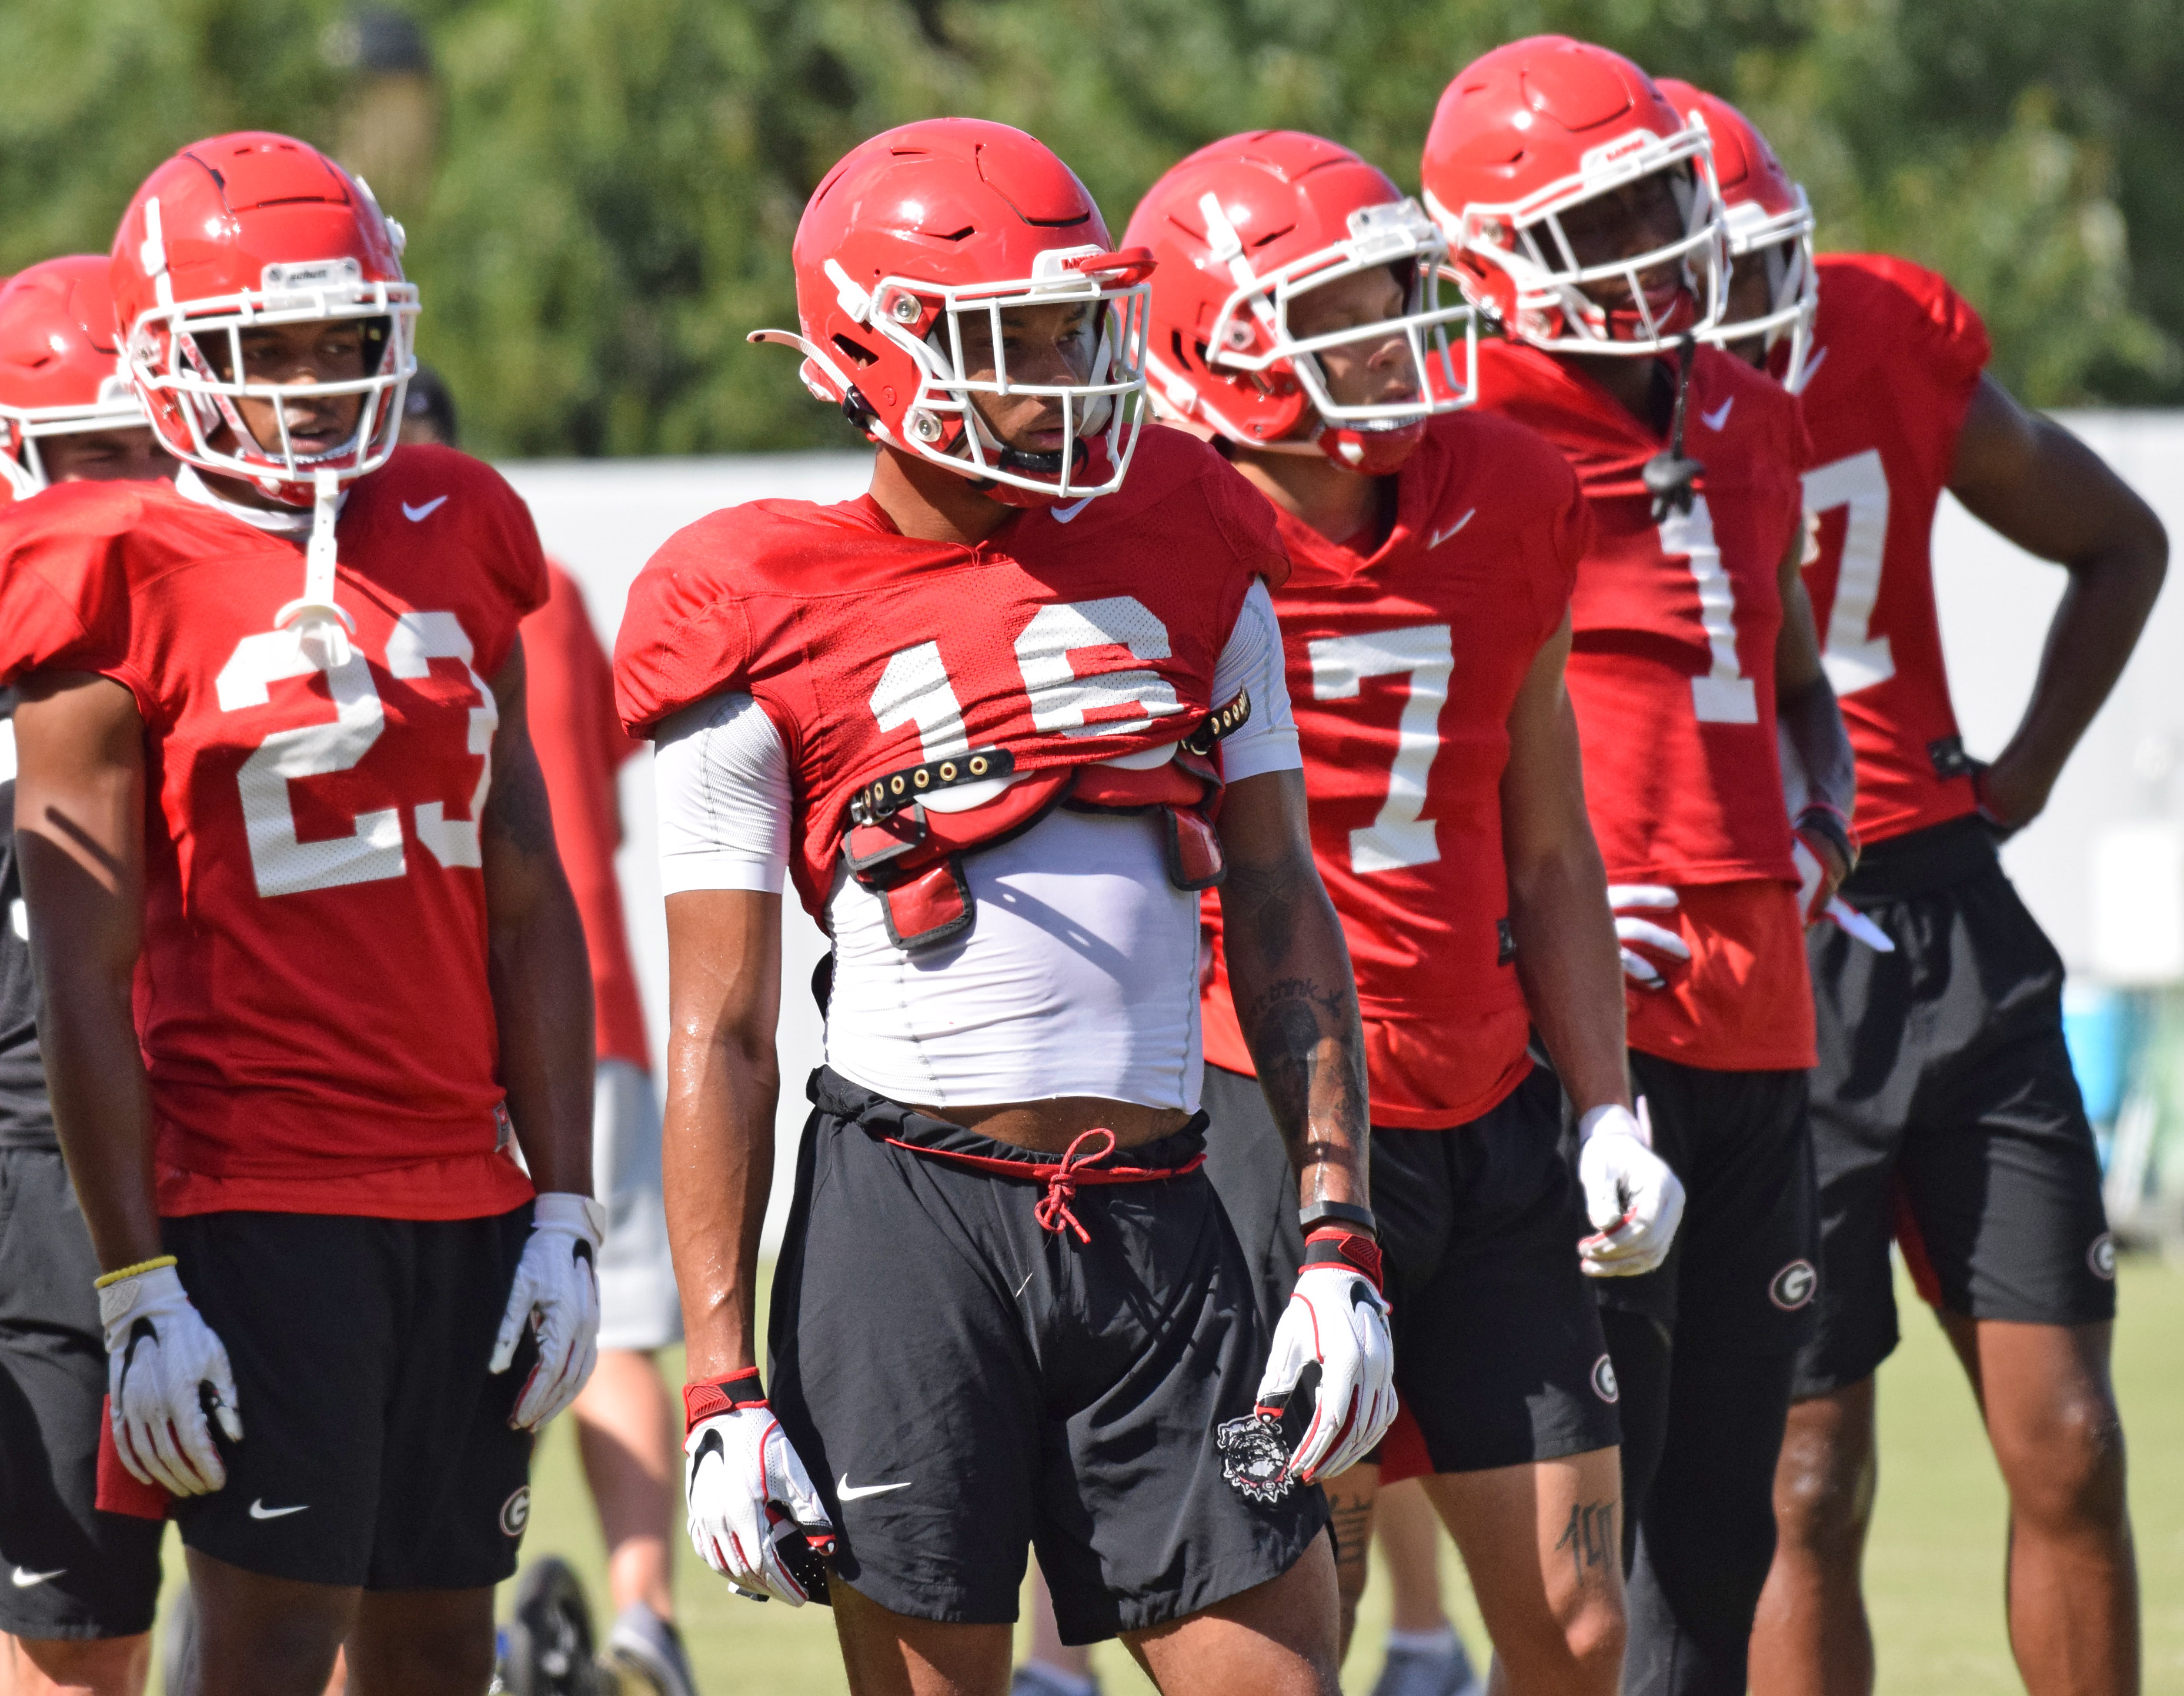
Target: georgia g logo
<point>2101,1255</point>
<point>1603,1380</point>
<point>1793,1285</point>
<point>515,1512</point>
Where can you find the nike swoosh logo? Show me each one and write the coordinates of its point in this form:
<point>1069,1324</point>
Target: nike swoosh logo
<point>418,514</point>
<point>849,1492</point>
<point>1441,535</point>
<point>259,1510</point>
<point>25,1581</point>
<point>1719,416</point>
<point>1062,515</point>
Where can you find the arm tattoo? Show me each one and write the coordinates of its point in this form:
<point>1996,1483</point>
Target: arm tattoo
<point>1589,1537</point>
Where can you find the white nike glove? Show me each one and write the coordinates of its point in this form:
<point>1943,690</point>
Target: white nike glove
<point>161,1357</point>
<point>753,1515</point>
<point>1337,1322</point>
<point>1628,901</point>
<point>557,1288</point>
<point>1634,1201</point>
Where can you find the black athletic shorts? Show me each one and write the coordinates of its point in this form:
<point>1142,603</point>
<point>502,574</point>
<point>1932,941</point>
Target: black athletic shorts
<point>1945,1109</point>
<point>962,1382</point>
<point>1499,1356</point>
<point>376,1446</point>
<point>70,1572</point>
<point>1743,1269</point>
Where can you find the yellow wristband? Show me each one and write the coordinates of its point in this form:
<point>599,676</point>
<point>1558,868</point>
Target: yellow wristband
<point>141,1266</point>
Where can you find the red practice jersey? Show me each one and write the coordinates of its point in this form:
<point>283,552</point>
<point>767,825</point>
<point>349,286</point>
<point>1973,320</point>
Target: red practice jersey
<point>311,998</point>
<point>570,693</point>
<point>1672,672</point>
<point>1083,634</point>
<point>1896,357</point>
<point>1403,666</point>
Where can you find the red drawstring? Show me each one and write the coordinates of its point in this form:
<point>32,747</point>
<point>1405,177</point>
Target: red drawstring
<point>1053,1212</point>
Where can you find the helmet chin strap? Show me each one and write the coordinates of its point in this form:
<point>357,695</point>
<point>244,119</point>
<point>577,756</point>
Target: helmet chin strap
<point>322,628</point>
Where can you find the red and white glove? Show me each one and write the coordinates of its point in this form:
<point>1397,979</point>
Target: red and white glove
<point>557,1289</point>
<point>753,1515</point>
<point>1634,1201</point>
<point>1819,833</point>
<point>1638,909</point>
<point>1337,1321</point>
<point>160,1359</point>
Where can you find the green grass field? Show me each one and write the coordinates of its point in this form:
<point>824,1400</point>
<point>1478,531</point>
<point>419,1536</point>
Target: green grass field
<point>1933,1575</point>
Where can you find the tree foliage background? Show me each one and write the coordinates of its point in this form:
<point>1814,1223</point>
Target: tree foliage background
<point>600,193</point>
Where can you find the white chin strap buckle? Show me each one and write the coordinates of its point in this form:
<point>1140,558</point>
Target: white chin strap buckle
<point>323,627</point>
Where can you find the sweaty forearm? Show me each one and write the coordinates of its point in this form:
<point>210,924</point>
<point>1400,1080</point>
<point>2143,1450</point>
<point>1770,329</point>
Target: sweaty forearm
<point>1571,970</point>
<point>717,1156</point>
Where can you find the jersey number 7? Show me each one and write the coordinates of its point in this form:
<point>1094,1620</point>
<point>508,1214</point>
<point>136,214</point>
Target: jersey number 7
<point>1424,656</point>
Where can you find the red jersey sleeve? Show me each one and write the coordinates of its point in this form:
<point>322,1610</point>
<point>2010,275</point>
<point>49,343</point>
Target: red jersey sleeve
<point>65,587</point>
<point>684,634</point>
<point>1566,538</point>
<point>1245,518</point>
<point>510,553</point>
<point>1951,339</point>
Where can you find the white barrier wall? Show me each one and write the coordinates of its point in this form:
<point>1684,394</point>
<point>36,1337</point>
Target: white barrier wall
<point>603,518</point>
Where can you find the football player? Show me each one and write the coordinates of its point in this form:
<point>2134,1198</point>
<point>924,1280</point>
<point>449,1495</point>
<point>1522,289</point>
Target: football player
<point>67,415</point>
<point>1583,218</point>
<point>625,1417</point>
<point>308,831</point>
<point>82,1583</point>
<point>1944,1109</point>
<point>1001,719</point>
<point>1425,622</point>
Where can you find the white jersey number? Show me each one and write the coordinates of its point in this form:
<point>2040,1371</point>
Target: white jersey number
<point>1724,694</point>
<point>1424,656</point>
<point>916,688</point>
<point>282,864</point>
<point>1854,657</point>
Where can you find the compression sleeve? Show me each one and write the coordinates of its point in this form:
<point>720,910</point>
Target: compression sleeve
<point>1252,660</point>
<point>722,778</point>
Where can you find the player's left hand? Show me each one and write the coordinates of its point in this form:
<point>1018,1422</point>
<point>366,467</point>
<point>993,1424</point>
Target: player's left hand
<point>557,1289</point>
<point>1634,1201</point>
<point>1337,1321</point>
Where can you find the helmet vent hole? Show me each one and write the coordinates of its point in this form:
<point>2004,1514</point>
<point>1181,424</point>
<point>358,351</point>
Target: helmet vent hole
<point>855,352</point>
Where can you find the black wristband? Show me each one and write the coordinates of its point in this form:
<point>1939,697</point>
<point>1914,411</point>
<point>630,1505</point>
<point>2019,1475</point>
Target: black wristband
<point>1828,822</point>
<point>1339,1213</point>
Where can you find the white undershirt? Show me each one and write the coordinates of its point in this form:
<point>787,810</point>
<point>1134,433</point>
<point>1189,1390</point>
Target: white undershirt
<point>1079,976</point>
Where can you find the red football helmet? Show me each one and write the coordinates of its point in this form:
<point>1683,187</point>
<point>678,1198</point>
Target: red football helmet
<point>59,366</point>
<point>915,229</point>
<point>1237,230</point>
<point>1531,131</point>
<point>1770,224</point>
<point>247,230</point>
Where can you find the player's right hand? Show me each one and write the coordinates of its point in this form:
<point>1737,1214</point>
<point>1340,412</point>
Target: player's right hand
<point>1634,1201</point>
<point>1637,908</point>
<point>748,1493</point>
<point>161,1357</point>
<point>1337,1320</point>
